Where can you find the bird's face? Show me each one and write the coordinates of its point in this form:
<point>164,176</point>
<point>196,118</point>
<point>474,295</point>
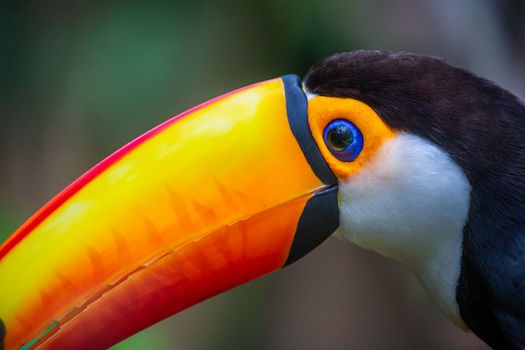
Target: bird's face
<point>226,192</point>
<point>399,194</point>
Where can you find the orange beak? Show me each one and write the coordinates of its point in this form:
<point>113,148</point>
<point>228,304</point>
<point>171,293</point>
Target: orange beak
<point>226,192</point>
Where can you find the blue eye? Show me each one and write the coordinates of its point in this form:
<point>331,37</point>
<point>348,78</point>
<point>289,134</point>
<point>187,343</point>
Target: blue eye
<point>343,139</point>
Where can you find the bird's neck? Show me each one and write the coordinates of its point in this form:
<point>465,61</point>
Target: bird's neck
<point>411,204</point>
<point>439,273</point>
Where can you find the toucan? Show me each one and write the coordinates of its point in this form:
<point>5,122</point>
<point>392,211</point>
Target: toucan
<point>399,153</point>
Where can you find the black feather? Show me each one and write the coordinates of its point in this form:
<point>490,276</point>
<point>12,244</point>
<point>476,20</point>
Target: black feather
<point>482,127</point>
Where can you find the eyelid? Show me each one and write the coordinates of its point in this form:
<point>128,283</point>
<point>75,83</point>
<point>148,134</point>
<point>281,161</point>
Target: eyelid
<point>352,151</point>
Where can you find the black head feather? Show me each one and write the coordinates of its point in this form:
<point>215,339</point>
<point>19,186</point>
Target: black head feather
<point>482,127</point>
<point>466,115</point>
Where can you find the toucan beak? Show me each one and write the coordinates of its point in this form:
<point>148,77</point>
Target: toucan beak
<point>228,191</point>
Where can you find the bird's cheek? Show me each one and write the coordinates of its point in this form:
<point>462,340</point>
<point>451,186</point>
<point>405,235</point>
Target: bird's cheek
<point>323,110</point>
<point>349,209</point>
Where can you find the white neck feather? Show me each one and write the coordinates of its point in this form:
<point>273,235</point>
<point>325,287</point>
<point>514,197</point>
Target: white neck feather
<point>411,203</point>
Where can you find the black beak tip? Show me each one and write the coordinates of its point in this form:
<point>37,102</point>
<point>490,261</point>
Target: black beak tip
<point>2,335</point>
<point>320,218</point>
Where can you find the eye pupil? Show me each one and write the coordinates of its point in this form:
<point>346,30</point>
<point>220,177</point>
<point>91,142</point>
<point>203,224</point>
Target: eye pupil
<point>340,137</point>
<point>343,139</point>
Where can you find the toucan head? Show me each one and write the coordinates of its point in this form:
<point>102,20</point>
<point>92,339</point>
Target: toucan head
<point>241,186</point>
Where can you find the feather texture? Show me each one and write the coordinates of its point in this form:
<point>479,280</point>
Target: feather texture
<point>482,127</point>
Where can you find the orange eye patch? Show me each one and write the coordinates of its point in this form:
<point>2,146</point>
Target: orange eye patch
<point>323,110</point>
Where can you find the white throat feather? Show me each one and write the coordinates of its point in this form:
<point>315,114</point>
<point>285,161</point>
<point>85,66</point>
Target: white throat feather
<point>410,203</point>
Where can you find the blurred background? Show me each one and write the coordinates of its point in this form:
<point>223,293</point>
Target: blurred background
<point>78,79</point>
